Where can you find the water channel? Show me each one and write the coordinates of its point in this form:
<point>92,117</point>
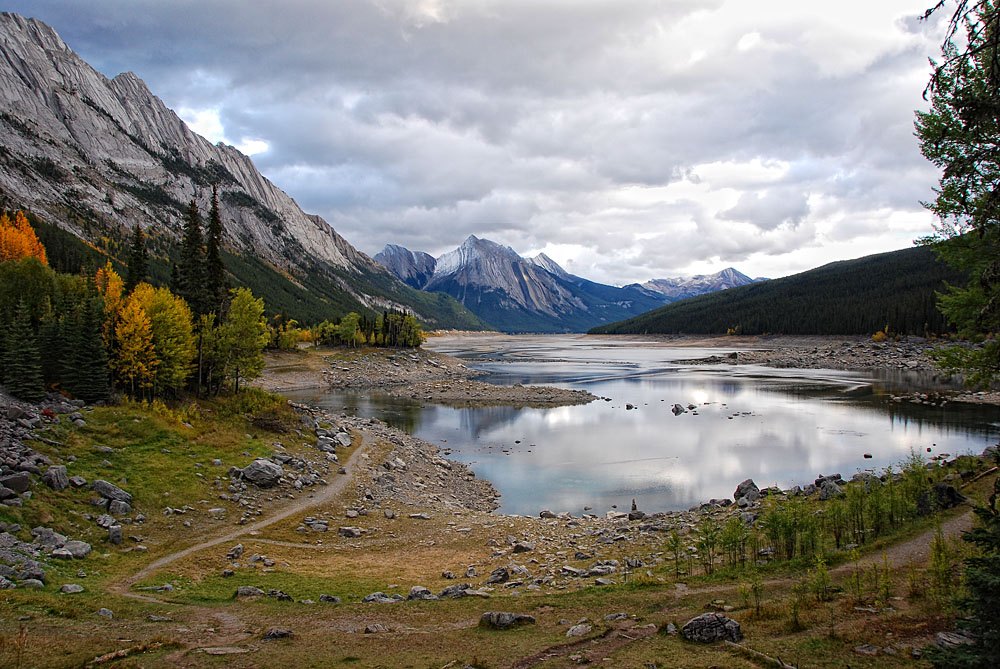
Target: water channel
<point>778,426</point>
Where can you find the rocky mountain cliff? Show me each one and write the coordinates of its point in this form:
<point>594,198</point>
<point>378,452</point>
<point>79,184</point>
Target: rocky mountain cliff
<point>414,268</point>
<point>516,294</point>
<point>98,156</point>
<point>681,288</point>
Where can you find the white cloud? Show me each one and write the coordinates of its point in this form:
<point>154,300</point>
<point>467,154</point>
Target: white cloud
<point>626,140</point>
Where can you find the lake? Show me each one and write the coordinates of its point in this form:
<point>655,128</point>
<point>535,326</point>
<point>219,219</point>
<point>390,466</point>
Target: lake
<point>780,427</point>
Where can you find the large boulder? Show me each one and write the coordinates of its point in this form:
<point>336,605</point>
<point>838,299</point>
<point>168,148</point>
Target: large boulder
<point>110,491</point>
<point>940,496</point>
<point>18,482</point>
<point>502,620</point>
<point>747,489</point>
<point>263,473</point>
<point>55,477</point>
<point>711,627</point>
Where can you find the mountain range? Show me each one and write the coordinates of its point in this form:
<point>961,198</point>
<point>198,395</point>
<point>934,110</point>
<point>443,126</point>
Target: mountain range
<point>98,156</point>
<point>517,294</point>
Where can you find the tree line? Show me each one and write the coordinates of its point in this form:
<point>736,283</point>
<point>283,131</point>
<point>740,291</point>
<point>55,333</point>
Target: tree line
<point>897,290</point>
<point>94,333</point>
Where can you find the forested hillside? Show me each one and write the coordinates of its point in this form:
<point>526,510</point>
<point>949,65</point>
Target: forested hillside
<point>894,290</point>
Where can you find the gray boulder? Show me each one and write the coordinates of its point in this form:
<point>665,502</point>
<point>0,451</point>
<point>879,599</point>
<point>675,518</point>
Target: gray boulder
<point>498,575</point>
<point>110,491</point>
<point>263,473</point>
<point>71,588</point>
<point>55,477</point>
<point>501,620</point>
<point>711,627</point>
<point>940,496</point>
<point>118,508</point>
<point>747,490</point>
<point>578,630</point>
<point>115,534</point>
<point>381,598</point>
<point>420,592</point>
<point>829,489</point>
<point>456,591</point>
<point>331,599</point>
<point>249,591</point>
<point>17,482</point>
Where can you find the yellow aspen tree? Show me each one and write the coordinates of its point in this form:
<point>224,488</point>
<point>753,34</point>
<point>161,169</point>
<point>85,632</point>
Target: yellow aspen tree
<point>172,334</point>
<point>112,289</point>
<point>135,358</point>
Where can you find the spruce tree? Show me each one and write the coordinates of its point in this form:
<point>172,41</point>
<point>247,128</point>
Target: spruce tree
<point>93,380</point>
<point>22,360</point>
<point>191,269</point>
<point>71,333</point>
<point>138,260</point>
<point>215,269</point>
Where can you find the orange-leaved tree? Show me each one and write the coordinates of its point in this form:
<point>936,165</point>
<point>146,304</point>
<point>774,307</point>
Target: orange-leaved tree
<point>18,239</point>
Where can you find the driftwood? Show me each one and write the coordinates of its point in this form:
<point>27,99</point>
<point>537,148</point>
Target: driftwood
<point>777,662</point>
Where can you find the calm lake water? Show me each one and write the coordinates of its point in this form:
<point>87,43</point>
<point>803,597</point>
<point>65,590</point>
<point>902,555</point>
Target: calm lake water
<point>777,426</point>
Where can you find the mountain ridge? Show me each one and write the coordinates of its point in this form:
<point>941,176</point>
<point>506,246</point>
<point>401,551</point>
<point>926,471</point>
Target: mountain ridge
<point>99,156</point>
<point>535,294</point>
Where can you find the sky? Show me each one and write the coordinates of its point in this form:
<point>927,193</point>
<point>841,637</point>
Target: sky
<point>626,139</point>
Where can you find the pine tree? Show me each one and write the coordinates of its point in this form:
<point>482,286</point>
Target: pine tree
<point>93,384</point>
<point>22,364</point>
<point>191,268</point>
<point>138,260</point>
<point>215,269</point>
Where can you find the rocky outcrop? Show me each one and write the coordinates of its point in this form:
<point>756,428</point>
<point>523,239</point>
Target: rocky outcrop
<point>75,141</point>
<point>711,627</point>
<point>502,620</point>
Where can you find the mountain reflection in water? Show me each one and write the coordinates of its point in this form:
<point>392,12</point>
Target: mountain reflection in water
<point>778,426</point>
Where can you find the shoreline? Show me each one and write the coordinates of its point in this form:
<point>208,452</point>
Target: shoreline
<point>437,378</point>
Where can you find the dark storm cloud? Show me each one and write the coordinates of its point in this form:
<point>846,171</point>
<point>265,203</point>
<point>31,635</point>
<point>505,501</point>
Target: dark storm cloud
<point>634,140</point>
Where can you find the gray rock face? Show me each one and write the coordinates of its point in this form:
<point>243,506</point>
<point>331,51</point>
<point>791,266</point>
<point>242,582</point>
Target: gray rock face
<point>110,491</point>
<point>105,136</point>
<point>263,473</point>
<point>55,477</point>
<point>711,627</point>
<point>501,620</point>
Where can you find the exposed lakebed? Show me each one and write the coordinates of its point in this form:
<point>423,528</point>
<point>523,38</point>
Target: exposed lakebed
<point>778,426</point>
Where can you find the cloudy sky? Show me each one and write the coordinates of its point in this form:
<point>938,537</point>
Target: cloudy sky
<point>627,139</point>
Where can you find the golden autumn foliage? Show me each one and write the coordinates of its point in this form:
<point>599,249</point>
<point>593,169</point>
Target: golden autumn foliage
<point>172,335</point>
<point>112,289</point>
<point>18,239</point>
<point>135,358</point>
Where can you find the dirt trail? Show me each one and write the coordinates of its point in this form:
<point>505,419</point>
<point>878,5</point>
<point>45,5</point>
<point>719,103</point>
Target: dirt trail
<point>300,505</point>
